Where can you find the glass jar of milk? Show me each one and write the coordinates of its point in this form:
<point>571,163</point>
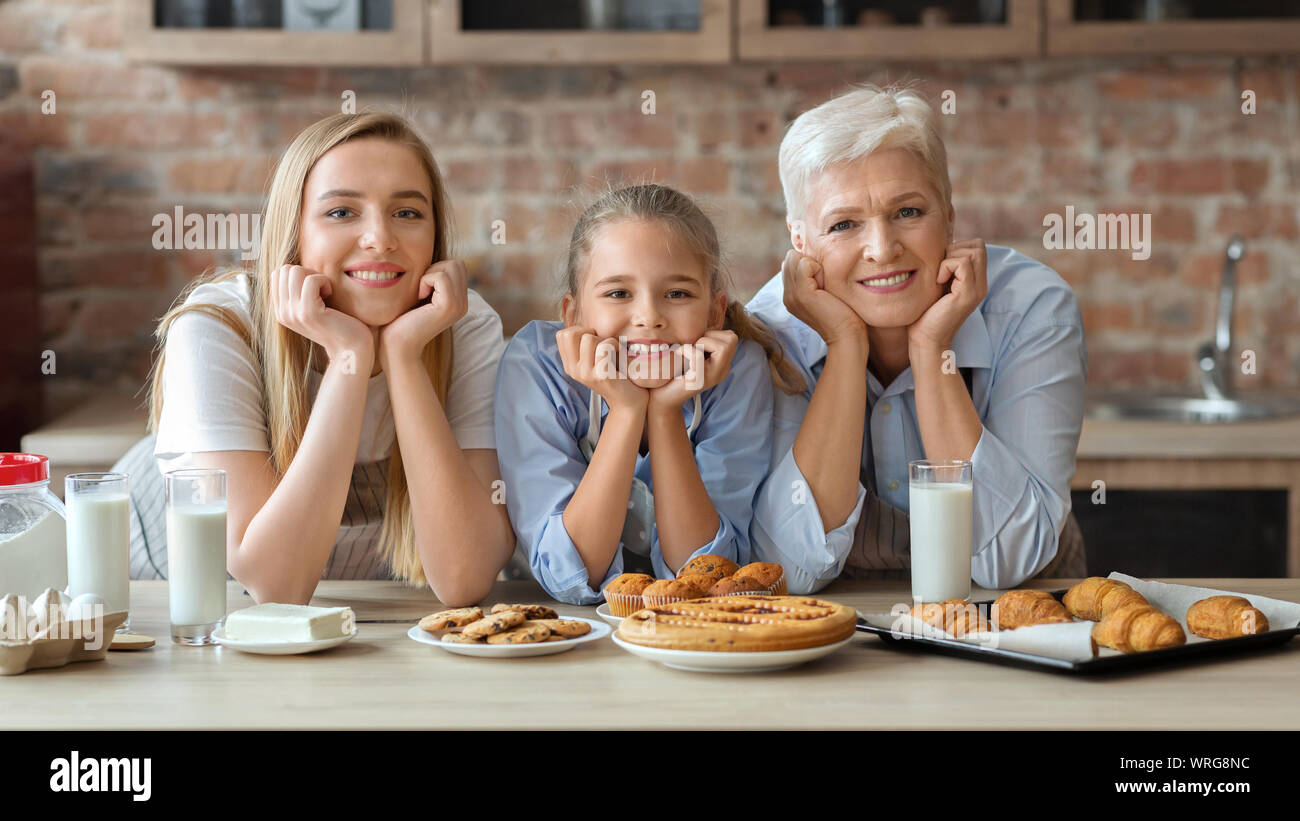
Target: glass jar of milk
<point>99,539</point>
<point>33,547</point>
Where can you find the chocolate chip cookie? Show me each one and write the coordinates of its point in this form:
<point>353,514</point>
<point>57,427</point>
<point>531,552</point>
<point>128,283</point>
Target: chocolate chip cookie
<point>568,628</point>
<point>531,611</point>
<point>459,617</point>
<point>530,632</point>
<point>495,623</point>
<point>460,638</point>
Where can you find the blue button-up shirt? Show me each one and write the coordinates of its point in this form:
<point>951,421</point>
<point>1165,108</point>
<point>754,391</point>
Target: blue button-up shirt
<point>541,416</point>
<point>1025,346</point>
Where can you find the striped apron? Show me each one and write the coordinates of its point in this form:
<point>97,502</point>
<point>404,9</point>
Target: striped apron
<point>356,547</point>
<point>882,540</point>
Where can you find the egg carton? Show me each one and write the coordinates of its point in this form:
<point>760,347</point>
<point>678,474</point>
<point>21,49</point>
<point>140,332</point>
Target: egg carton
<point>58,640</point>
<point>48,649</point>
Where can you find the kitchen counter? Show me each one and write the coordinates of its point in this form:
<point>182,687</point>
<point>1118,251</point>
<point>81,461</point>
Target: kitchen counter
<point>1146,455</point>
<point>1132,439</point>
<point>384,680</point>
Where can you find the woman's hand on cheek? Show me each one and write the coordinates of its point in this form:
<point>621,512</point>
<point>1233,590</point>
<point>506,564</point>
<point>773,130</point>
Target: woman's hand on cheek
<point>446,287</point>
<point>298,297</point>
<point>965,266</point>
<point>699,372</point>
<point>593,362</point>
<point>807,298</point>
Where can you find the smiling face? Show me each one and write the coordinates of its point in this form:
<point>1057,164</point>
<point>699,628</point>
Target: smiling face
<point>368,226</point>
<point>880,228</point>
<point>642,283</point>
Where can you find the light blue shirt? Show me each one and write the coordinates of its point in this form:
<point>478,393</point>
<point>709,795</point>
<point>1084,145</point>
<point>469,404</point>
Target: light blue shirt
<point>1025,345</point>
<point>541,416</point>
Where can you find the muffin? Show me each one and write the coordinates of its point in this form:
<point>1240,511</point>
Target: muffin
<point>624,593</point>
<point>738,586</point>
<point>670,591</point>
<point>771,575</point>
<point>716,567</point>
<point>699,581</point>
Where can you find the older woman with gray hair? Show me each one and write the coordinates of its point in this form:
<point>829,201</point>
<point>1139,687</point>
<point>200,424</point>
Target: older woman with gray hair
<point>912,346</point>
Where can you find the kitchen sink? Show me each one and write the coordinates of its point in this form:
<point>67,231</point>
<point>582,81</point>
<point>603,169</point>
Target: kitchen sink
<point>1219,400</point>
<point>1192,409</point>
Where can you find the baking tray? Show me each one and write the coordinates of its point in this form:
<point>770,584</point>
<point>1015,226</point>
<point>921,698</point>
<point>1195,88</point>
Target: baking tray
<point>1127,662</point>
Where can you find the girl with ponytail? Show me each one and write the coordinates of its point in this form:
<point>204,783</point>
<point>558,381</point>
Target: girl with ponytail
<point>634,434</point>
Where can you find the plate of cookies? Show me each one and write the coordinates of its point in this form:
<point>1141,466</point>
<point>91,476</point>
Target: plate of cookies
<point>506,631</point>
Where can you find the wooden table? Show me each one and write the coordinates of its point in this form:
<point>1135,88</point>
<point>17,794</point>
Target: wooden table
<point>382,679</point>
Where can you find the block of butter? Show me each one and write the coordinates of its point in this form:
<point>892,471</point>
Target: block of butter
<point>289,622</point>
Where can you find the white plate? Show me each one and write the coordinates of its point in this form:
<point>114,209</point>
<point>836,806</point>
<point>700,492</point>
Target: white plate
<point>512,651</point>
<point>279,648</point>
<point>603,612</point>
<point>705,661</point>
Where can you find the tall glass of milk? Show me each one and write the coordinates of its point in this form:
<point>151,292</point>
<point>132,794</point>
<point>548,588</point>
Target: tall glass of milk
<point>939,510</point>
<point>196,553</point>
<point>99,538</point>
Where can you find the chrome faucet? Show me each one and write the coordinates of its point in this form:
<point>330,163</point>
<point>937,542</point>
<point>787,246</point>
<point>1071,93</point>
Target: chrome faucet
<point>1213,358</point>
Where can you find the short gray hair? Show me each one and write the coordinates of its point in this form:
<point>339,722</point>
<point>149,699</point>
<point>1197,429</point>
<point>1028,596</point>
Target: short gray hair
<point>852,126</point>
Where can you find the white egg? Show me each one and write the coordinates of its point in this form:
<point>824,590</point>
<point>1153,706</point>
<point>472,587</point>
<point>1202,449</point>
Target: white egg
<point>83,607</point>
<point>49,608</point>
<point>13,618</point>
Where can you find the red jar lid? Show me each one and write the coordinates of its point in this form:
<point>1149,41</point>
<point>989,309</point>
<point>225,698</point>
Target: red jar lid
<point>23,468</point>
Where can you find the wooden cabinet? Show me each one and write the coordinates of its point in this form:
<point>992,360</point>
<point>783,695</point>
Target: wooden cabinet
<point>1139,455</point>
<point>1019,36</point>
<point>1068,36</point>
<point>433,32</point>
<point>450,42</point>
<point>402,45</point>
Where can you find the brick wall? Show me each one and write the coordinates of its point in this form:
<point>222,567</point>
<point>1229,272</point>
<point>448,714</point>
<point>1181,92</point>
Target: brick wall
<point>1160,136</point>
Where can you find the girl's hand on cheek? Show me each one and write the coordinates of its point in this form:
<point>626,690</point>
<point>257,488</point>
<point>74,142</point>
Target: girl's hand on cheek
<point>593,362</point>
<point>446,287</point>
<point>298,297</point>
<point>704,365</point>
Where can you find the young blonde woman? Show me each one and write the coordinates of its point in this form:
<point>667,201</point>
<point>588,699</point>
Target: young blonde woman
<point>345,383</point>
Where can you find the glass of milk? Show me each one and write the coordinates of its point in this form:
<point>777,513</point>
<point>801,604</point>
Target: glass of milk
<point>196,553</point>
<point>99,538</point>
<point>939,510</point>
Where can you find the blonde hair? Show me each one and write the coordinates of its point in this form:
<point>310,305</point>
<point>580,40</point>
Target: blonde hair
<point>283,357</point>
<point>683,217</point>
<point>852,126</point>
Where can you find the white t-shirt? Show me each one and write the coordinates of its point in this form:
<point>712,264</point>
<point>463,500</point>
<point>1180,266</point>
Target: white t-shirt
<point>212,389</point>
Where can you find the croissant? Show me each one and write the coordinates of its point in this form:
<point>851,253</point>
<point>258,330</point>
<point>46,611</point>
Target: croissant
<point>1022,608</point>
<point>1224,617</point>
<point>1095,597</point>
<point>956,616</point>
<point>1136,628</point>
